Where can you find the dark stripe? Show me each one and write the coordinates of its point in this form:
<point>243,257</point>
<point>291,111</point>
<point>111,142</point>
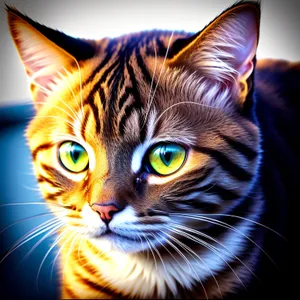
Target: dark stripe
<point>70,292</point>
<point>40,148</point>
<point>194,204</point>
<point>190,182</point>
<point>41,179</point>
<point>117,77</point>
<point>162,50</point>
<point>114,75</point>
<point>110,50</point>
<point>180,44</point>
<point>241,209</point>
<point>52,172</point>
<point>84,123</point>
<point>53,196</point>
<point>134,82</point>
<point>107,71</point>
<point>240,147</point>
<point>137,100</point>
<point>222,192</point>
<point>128,91</point>
<point>127,113</point>
<point>95,111</point>
<point>233,169</point>
<point>97,86</point>
<point>102,96</point>
<point>96,286</point>
<point>87,266</point>
<point>142,66</point>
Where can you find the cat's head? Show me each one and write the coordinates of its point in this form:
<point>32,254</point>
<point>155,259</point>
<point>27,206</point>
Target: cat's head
<point>136,139</point>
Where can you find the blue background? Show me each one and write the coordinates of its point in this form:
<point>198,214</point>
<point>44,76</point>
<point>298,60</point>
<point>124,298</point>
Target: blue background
<point>18,184</point>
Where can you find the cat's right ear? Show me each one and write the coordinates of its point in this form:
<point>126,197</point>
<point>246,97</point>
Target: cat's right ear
<point>45,53</point>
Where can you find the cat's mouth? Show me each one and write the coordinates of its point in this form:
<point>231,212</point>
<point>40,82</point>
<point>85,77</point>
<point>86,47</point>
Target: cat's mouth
<point>111,235</point>
<point>128,243</point>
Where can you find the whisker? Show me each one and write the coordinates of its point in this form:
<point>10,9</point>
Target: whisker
<point>70,88</point>
<point>225,225</point>
<point>59,108</point>
<point>152,79</point>
<point>156,250</point>
<point>151,86</point>
<point>180,103</point>
<point>197,256</point>
<point>217,242</point>
<point>150,247</point>
<point>58,252</point>
<point>37,228</point>
<point>40,241</point>
<point>184,257</point>
<point>57,118</point>
<point>30,188</point>
<point>47,235</point>
<point>80,85</point>
<point>159,76</point>
<point>249,220</point>
<point>215,250</point>
<point>26,239</point>
<point>25,219</point>
<point>70,249</point>
<point>30,203</point>
<point>48,252</point>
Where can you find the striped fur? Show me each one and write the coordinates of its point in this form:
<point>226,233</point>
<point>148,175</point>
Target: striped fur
<point>189,234</point>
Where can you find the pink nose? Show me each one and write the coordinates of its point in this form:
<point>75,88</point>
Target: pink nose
<point>105,211</point>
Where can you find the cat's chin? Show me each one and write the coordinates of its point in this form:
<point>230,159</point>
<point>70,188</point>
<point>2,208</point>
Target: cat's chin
<point>112,242</point>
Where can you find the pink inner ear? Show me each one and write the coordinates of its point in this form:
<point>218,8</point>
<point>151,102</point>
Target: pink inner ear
<point>244,54</point>
<point>43,87</point>
<point>245,70</point>
<point>42,69</point>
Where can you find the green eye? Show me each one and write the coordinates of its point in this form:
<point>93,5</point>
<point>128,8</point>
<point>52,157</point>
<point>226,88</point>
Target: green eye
<point>73,157</point>
<point>166,159</point>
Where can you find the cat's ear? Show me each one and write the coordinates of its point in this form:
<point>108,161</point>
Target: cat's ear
<point>225,50</point>
<point>45,53</point>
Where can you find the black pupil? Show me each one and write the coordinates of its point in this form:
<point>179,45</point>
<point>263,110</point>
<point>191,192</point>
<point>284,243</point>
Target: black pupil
<point>166,155</point>
<point>75,152</point>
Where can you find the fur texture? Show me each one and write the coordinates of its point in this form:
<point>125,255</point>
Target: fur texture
<point>195,233</point>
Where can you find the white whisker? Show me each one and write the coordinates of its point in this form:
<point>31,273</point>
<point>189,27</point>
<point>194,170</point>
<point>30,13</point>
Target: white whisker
<point>246,219</point>
<point>184,257</point>
<point>159,76</point>
<point>48,252</point>
<point>27,238</point>
<point>197,256</point>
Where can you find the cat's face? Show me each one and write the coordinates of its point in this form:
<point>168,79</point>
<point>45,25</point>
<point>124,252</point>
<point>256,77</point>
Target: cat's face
<point>136,144</point>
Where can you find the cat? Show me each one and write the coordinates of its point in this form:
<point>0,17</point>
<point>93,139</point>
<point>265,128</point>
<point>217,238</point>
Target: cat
<point>156,153</point>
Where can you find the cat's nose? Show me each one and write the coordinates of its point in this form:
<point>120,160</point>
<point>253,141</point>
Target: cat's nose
<point>105,211</point>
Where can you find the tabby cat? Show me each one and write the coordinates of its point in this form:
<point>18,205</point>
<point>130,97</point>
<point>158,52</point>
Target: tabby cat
<point>151,150</point>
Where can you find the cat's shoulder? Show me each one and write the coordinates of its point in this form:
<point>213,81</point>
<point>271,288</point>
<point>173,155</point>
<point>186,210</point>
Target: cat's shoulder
<point>278,83</point>
<point>277,86</point>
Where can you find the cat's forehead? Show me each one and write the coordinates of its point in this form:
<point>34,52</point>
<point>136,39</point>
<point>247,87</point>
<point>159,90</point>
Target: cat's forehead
<point>128,82</point>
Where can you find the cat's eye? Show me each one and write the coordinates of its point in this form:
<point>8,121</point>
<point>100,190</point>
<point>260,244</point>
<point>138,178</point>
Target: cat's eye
<point>73,157</point>
<point>166,159</point>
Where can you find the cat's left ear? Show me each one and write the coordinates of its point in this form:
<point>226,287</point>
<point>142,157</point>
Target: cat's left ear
<point>225,50</point>
<point>46,53</point>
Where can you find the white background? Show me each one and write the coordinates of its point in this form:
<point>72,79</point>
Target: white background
<point>280,37</point>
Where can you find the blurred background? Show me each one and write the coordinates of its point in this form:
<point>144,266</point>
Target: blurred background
<point>279,38</point>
